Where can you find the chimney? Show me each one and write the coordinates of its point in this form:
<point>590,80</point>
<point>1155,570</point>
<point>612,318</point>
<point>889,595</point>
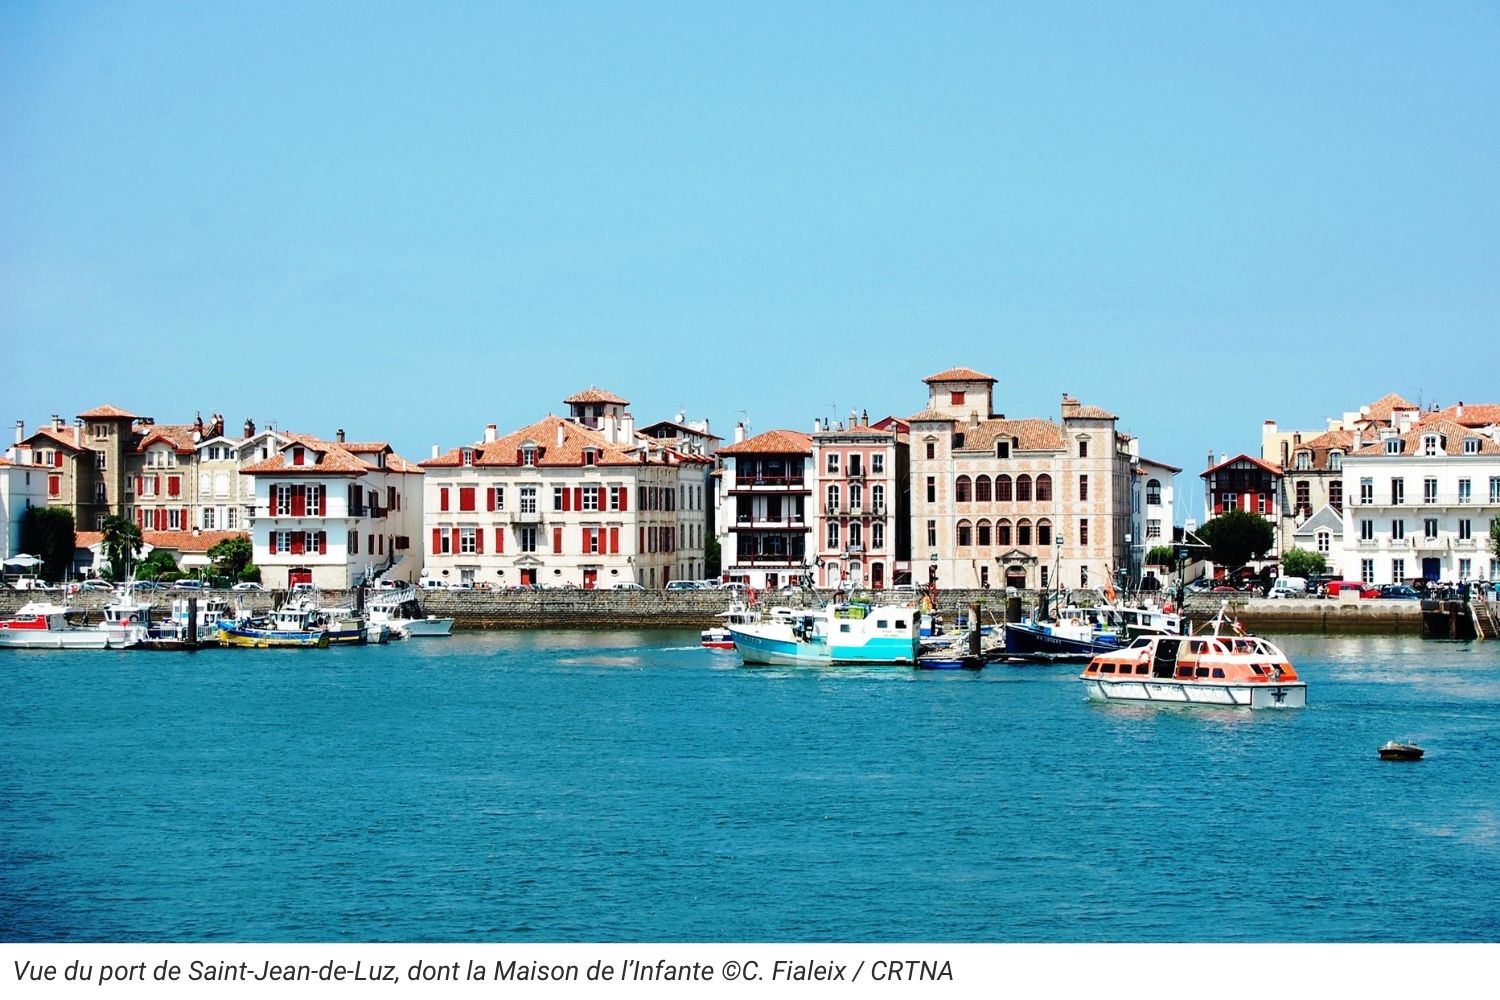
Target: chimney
<point>864,417</point>
<point>739,432</point>
<point>339,435</point>
<point>56,422</point>
<point>491,434</point>
<point>1358,439</point>
<point>435,451</point>
<point>561,434</point>
<point>853,418</point>
<point>78,432</point>
<point>973,419</point>
<point>817,425</point>
<point>1069,407</point>
<point>249,428</point>
<point>610,428</point>
<point>20,431</point>
<point>1460,411</point>
<point>198,424</point>
<point>627,428</point>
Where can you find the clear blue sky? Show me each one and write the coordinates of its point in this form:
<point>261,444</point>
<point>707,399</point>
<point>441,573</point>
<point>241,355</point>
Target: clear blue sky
<point>411,220</point>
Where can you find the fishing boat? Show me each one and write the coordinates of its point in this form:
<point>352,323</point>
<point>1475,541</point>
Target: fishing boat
<point>43,625</point>
<point>289,628</point>
<point>1400,751</point>
<point>850,632</point>
<point>126,624</point>
<point>1230,669</point>
<point>719,636</point>
<point>399,611</point>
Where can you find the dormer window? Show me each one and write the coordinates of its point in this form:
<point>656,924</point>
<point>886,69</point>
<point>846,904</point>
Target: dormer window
<point>1335,460</point>
<point>528,455</point>
<point>467,457</point>
<point>1002,449</point>
<point>1304,461</point>
<point>1471,446</point>
<point>298,457</point>
<point>1431,445</point>
<point>590,456</point>
<point>1393,446</point>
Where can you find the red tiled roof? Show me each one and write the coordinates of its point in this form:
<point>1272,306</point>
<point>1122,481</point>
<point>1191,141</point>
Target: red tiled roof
<point>1242,458</point>
<point>772,443</point>
<point>681,427</point>
<point>1095,413</point>
<point>958,375</point>
<point>179,436</point>
<point>1386,405</point>
<point>334,459</point>
<point>1411,442</point>
<point>930,415</point>
<point>178,541</point>
<point>107,412</point>
<point>1474,414</point>
<point>1028,434</point>
<point>593,394</point>
<point>62,438</point>
<point>505,452</point>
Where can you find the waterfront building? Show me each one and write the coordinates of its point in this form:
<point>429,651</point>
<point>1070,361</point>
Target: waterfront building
<point>765,497</point>
<point>1152,507</point>
<point>696,522</point>
<point>189,549</point>
<point>1246,484</point>
<point>861,530</point>
<point>335,514</point>
<point>583,501</point>
<point>23,485</point>
<point>1029,502</point>
<point>1422,498</point>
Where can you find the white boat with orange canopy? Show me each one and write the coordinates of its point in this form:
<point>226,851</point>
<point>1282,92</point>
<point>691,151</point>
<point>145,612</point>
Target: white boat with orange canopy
<point>1232,670</point>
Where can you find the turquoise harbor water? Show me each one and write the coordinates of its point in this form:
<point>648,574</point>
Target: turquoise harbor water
<point>633,787</point>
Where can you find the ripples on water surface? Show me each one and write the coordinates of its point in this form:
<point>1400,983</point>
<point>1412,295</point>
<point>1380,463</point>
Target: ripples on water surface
<point>630,786</point>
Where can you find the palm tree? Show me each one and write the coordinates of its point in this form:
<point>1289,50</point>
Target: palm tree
<point>122,543</point>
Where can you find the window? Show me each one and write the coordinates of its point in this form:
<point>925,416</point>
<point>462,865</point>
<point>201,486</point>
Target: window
<point>833,462</point>
<point>232,518</point>
<point>559,497</point>
<point>281,497</point>
<point>1398,570</point>
<point>1393,446</point>
<point>1044,487</point>
<point>281,541</point>
<point>527,537</point>
<point>1430,445</point>
<point>1002,532</point>
<point>1471,447</point>
<point>528,456</point>
<point>1367,490</point>
<point>528,501</point>
<point>1336,495</point>
<point>877,498</point>
<point>1044,577</point>
<point>856,536</point>
<point>1398,530</point>
<point>1304,497</point>
<point>963,490</point>
<point>99,494</point>
<point>1044,532</point>
<point>932,449</point>
<point>1083,531</point>
<point>1465,568</point>
<point>1465,491</point>
<point>466,543</point>
<point>932,489</point>
<point>877,535</point>
<point>1367,530</point>
<point>1153,527</point>
<point>1002,449</point>
<point>1023,487</point>
<point>856,496</point>
<point>1325,542</point>
<point>468,457</point>
<point>833,534</point>
<point>1304,461</point>
<point>1465,529</point>
<point>932,534</point>
<point>54,486</point>
<point>833,499</point>
<point>591,498</point>
<point>984,533</point>
<point>1023,532</point>
<point>982,489</point>
<point>1002,489</point>
<point>100,460</point>
<point>590,456</point>
<point>956,398</point>
<point>1430,528</point>
<point>1398,490</point>
<point>1153,492</point>
<point>1367,570</point>
<point>1495,489</point>
<point>208,519</point>
<point>1083,576</point>
<point>315,501</point>
<point>497,495</point>
<point>1083,448</point>
<point>965,534</point>
<point>1083,488</point>
<point>1429,490</point>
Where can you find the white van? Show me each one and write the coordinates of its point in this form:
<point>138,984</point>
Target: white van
<point>1289,586</point>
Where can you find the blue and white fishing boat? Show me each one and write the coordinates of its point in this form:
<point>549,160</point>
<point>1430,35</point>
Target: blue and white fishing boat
<point>286,628</point>
<point>852,632</point>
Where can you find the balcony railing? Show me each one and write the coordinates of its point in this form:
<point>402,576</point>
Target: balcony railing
<point>751,482</point>
<point>769,558</point>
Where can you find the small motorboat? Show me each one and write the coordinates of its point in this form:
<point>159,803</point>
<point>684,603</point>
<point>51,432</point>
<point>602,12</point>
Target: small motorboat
<point>1401,751</point>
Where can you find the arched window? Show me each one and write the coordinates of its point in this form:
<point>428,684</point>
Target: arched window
<point>982,489</point>
<point>856,536</point>
<point>1153,492</point>
<point>1044,532</point>
<point>1002,531</point>
<point>983,533</point>
<point>1023,532</point>
<point>877,498</point>
<point>1002,489</point>
<point>1023,487</point>
<point>961,490</point>
<point>1044,487</point>
<point>833,499</point>
<point>965,534</point>
<point>856,495</point>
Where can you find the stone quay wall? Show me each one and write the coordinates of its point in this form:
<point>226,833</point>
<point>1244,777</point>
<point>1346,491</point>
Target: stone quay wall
<point>604,609</point>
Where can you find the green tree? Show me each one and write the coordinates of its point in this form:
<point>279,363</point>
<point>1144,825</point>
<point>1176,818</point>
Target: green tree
<point>1301,562</point>
<point>1161,555</point>
<point>160,566</point>
<point>1237,536</point>
<point>122,544</point>
<point>712,558</point>
<point>1495,536</point>
<point>231,557</point>
<point>47,533</point>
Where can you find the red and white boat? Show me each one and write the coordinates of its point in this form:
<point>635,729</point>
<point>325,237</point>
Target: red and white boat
<point>40,625</point>
<point>1231,670</point>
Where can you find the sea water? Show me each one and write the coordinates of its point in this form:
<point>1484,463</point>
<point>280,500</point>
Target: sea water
<point>630,786</point>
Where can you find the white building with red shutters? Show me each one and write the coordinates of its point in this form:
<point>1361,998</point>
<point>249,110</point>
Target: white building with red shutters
<point>582,501</point>
<point>335,514</point>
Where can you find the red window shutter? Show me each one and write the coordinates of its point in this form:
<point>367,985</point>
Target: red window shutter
<point>161,519</point>
<point>567,496</point>
<point>443,498</point>
<point>437,540</point>
<point>322,543</point>
<point>489,498</point>
<point>185,525</point>
<point>557,539</point>
<point>273,543</point>
<point>174,486</point>
<point>466,498</point>
<point>614,541</point>
<point>354,543</point>
<point>297,543</point>
<point>299,501</point>
<point>499,540</point>
<point>454,539</point>
<point>156,485</point>
<point>624,498</point>
<point>140,485</point>
<point>479,541</point>
<point>642,546</point>
<point>578,498</point>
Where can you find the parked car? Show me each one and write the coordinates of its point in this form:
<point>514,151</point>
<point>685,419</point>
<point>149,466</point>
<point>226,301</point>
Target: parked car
<point>738,588</point>
<point>96,586</point>
<point>684,585</point>
<point>247,585</point>
<point>188,585</point>
<point>1399,592</point>
<point>143,586</point>
<point>1336,587</point>
<point>1288,586</point>
<point>627,586</point>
